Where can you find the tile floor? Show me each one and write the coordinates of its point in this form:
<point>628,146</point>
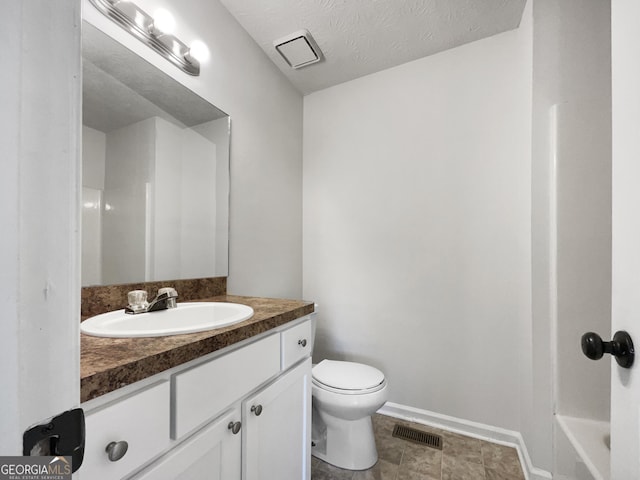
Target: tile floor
<point>461,458</point>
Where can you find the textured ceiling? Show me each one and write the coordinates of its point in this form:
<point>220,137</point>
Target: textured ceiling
<point>359,37</point>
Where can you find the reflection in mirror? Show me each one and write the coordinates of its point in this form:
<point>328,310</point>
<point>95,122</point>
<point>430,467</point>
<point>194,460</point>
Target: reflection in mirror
<point>155,179</point>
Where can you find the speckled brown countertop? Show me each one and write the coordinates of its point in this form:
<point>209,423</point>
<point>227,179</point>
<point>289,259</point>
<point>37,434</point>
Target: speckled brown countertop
<point>107,364</point>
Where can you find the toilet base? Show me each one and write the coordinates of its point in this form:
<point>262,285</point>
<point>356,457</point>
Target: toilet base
<point>348,444</point>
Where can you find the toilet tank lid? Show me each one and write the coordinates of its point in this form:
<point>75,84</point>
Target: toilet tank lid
<point>347,375</point>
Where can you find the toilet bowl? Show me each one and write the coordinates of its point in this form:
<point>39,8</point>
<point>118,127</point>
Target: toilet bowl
<point>345,395</point>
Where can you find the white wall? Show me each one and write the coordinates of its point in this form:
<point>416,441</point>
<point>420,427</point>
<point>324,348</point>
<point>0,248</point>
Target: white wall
<point>218,132</point>
<point>417,226</point>
<point>266,142</point>
<point>570,211</point>
<point>572,65</point>
<point>198,199</point>
<point>571,207</point>
<point>584,252</point>
<point>39,213</point>
<point>91,256</point>
<point>165,205</point>
<point>130,157</point>
<point>94,149</point>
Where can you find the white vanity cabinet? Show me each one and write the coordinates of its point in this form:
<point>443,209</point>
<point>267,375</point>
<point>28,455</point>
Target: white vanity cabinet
<point>196,421</point>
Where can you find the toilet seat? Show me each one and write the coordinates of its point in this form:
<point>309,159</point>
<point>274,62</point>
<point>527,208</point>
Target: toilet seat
<point>347,378</point>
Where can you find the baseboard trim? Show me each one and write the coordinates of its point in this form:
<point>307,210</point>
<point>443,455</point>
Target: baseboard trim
<point>471,429</point>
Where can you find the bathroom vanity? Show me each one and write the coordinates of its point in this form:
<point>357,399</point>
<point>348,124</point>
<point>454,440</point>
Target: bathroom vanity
<point>231,403</point>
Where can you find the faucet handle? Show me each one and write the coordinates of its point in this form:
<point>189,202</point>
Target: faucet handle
<point>137,300</point>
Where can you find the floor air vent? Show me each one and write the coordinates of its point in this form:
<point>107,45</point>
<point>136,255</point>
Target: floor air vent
<point>417,436</point>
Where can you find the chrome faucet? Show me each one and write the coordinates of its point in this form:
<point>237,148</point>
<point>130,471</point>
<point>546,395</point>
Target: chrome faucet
<point>165,299</point>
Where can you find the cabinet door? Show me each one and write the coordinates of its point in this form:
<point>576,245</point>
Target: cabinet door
<point>277,428</point>
<point>213,454</point>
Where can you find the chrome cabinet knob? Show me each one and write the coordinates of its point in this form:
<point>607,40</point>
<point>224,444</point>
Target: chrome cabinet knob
<point>257,409</point>
<point>116,450</point>
<point>234,427</point>
<point>303,342</point>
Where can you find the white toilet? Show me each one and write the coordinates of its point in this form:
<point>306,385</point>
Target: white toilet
<point>345,395</point>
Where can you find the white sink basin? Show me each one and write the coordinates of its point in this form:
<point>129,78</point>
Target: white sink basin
<point>185,318</point>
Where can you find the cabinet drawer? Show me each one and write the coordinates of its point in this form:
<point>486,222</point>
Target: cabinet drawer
<point>141,420</point>
<point>296,344</point>
<point>203,392</point>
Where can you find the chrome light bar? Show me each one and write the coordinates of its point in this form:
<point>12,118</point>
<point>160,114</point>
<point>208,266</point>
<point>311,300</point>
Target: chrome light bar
<point>142,26</point>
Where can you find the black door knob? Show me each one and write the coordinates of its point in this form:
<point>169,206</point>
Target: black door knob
<point>620,347</point>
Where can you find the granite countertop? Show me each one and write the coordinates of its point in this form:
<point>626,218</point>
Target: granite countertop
<point>107,364</point>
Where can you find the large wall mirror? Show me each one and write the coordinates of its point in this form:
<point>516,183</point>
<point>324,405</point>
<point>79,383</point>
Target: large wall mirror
<point>155,178</point>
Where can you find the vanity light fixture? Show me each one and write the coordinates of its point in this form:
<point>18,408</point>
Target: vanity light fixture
<point>154,31</point>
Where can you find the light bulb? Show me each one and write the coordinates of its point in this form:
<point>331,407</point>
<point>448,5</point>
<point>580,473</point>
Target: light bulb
<point>163,22</point>
<point>199,51</point>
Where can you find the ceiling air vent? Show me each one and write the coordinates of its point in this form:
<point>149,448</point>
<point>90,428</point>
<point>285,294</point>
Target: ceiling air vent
<point>298,49</point>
